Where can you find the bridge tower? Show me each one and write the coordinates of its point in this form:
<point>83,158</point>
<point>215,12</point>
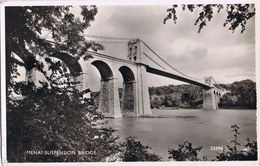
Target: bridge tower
<point>141,97</point>
<point>210,96</point>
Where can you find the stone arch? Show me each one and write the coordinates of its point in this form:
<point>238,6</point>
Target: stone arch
<point>21,64</point>
<point>104,69</point>
<point>28,59</point>
<point>70,61</point>
<point>128,105</point>
<point>127,73</point>
<point>108,96</point>
<point>73,65</point>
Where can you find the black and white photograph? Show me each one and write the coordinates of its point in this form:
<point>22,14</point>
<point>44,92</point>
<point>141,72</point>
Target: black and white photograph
<point>90,83</point>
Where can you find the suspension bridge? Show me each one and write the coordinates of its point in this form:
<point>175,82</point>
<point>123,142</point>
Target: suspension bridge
<point>140,59</point>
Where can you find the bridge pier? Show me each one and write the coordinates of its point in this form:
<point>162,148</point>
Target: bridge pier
<point>129,99</point>
<point>109,103</point>
<point>209,100</point>
<point>210,96</point>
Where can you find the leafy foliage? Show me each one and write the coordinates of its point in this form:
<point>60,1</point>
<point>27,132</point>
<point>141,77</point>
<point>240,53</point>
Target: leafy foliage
<point>56,119</point>
<point>237,14</point>
<point>236,153</point>
<point>133,150</point>
<point>175,96</point>
<point>58,21</point>
<point>243,94</point>
<point>185,152</point>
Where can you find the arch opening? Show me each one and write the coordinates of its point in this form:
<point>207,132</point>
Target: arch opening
<point>70,61</point>
<point>127,73</point>
<point>128,99</point>
<point>104,70</point>
<point>72,64</point>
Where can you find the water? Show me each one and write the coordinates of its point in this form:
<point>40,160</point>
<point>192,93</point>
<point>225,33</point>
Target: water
<point>173,127</point>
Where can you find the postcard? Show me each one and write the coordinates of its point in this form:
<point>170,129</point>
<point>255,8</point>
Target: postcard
<point>86,83</point>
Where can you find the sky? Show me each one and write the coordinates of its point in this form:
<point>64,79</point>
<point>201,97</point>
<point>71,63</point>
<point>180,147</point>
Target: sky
<point>215,51</point>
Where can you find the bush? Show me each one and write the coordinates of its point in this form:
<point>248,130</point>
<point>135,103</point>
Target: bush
<point>185,152</point>
<point>133,150</point>
<point>249,152</point>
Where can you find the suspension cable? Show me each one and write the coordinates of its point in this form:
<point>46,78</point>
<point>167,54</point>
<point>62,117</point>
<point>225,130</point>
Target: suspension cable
<point>107,37</point>
<point>153,60</point>
<point>167,62</point>
<point>218,84</point>
<point>107,42</point>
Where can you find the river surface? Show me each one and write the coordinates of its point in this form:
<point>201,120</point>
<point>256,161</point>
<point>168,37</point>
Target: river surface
<point>202,128</point>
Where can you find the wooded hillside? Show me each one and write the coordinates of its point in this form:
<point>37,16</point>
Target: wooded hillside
<point>242,95</point>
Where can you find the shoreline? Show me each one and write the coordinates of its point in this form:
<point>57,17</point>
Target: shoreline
<point>177,108</point>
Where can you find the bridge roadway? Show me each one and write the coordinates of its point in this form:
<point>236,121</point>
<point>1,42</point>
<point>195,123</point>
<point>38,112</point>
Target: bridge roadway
<point>152,70</point>
<point>177,77</point>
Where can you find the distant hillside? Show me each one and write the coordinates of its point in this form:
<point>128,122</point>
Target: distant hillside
<point>243,95</point>
<point>175,96</point>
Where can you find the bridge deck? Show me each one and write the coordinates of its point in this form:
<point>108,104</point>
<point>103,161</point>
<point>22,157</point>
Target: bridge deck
<point>112,58</point>
<point>176,77</point>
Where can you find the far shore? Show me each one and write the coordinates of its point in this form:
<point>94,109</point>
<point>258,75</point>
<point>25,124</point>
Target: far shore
<point>176,108</point>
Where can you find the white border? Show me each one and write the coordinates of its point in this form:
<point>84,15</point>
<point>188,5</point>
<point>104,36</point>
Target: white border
<point>3,89</point>
<point>257,63</point>
<point>162,163</point>
<point>118,2</point>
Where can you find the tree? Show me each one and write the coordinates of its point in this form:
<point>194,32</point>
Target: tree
<point>133,150</point>
<point>237,14</point>
<point>27,28</point>
<point>53,116</point>
<point>228,100</point>
<point>56,119</point>
<point>172,100</point>
<point>243,94</point>
<point>155,102</point>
